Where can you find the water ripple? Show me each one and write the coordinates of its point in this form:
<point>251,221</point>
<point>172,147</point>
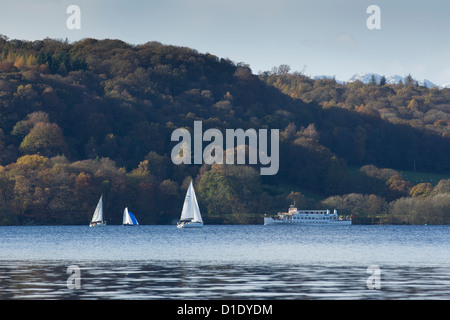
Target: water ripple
<point>141,280</point>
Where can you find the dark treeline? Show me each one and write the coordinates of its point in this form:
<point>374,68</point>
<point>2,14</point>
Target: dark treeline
<point>95,116</point>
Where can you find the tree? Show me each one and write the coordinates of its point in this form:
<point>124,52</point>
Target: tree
<point>284,69</point>
<point>413,105</point>
<point>32,162</point>
<point>362,206</point>
<point>409,81</point>
<point>421,190</point>
<point>45,139</point>
<point>230,189</point>
<point>442,187</point>
<point>215,191</point>
<point>23,127</point>
<point>297,198</point>
<point>397,187</point>
<point>168,194</point>
<point>311,132</point>
<point>19,62</point>
<point>157,165</point>
<point>421,210</point>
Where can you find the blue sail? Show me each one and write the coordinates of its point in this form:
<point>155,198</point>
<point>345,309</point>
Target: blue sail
<point>133,218</point>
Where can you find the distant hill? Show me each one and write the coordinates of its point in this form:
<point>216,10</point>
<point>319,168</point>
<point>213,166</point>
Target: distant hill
<point>395,79</point>
<point>366,78</point>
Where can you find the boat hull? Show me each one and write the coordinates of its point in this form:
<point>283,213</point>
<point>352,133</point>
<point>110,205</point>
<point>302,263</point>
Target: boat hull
<point>272,221</point>
<point>189,225</point>
<point>97,224</point>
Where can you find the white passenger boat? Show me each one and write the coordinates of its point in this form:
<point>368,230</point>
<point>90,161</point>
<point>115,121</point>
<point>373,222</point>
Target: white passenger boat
<point>308,217</point>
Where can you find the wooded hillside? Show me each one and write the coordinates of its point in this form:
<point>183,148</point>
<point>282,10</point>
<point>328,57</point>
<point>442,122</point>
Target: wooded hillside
<point>96,116</point>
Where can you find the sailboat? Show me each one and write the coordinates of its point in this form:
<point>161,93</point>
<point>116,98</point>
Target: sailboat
<point>97,218</point>
<point>129,219</point>
<point>190,215</point>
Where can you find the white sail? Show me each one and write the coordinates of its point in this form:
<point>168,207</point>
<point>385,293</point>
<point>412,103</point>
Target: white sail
<point>191,211</point>
<point>187,213</point>
<point>126,217</point>
<point>98,213</point>
<point>196,209</point>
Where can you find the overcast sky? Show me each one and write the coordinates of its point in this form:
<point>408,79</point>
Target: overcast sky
<point>321,37</point>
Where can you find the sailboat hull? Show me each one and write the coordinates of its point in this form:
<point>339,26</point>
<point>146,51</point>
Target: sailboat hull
<point>190,224</point>
<point>98,224</point>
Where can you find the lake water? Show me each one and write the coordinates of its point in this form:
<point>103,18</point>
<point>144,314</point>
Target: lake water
<point>225,262</point>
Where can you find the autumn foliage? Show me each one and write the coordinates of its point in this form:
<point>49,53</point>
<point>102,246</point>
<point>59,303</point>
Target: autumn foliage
<point>95,117</point>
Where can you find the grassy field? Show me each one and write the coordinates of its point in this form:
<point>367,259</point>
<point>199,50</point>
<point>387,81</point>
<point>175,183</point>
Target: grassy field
<point>420,177</point>
<point>411,176</point>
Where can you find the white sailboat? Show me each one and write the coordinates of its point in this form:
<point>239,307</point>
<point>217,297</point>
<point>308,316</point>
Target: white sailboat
<point>97,218</point>
<point>190,216</point>
<point>129,219</point>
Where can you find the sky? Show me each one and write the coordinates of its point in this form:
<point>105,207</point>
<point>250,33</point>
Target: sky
<point>321,37</point>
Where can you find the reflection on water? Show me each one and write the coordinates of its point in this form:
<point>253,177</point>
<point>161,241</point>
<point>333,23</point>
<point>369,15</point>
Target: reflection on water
<point>176,280</point>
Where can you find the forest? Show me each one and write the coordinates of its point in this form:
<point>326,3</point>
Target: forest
<point>95,117</point>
